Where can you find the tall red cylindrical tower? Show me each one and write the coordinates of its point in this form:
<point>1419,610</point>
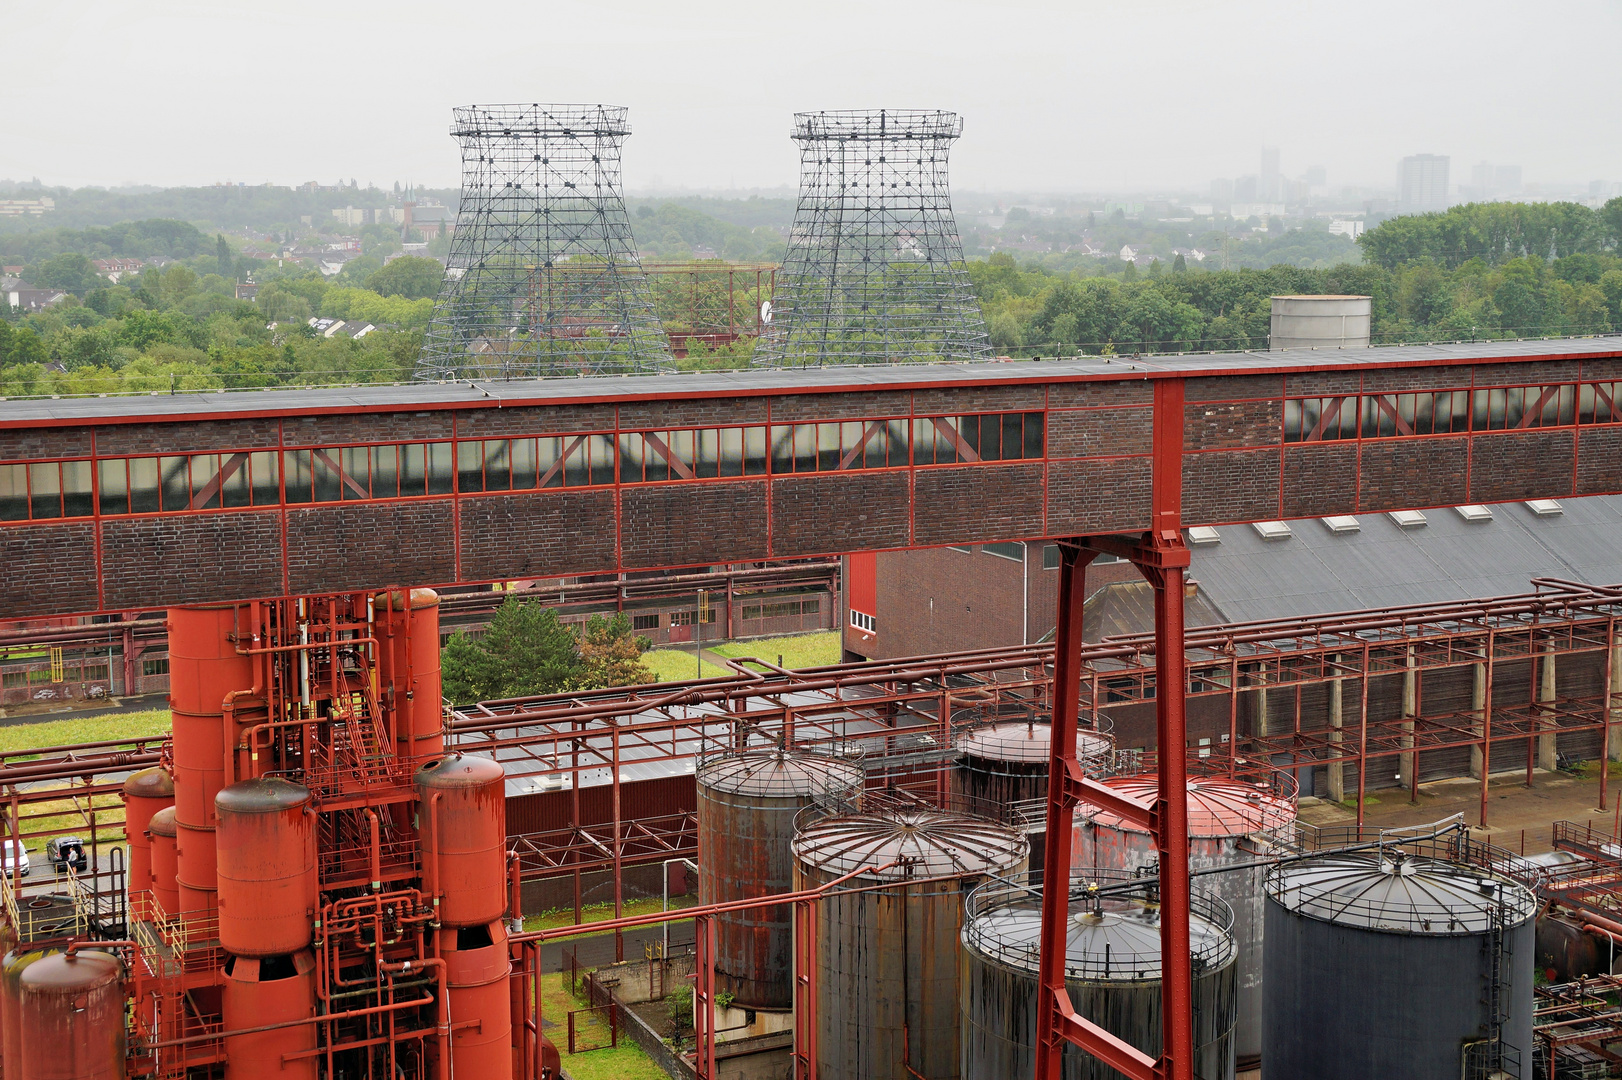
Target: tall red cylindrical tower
<point>161,830</point>
<point>145,793</point>
<point>476,975</point>
<point>267,867</point>
<point>462,816</point>
<point>262,992</point>
<point>408,664</point>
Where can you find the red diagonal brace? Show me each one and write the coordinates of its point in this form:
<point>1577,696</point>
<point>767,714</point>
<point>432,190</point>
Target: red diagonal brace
<point>1121,1056</point>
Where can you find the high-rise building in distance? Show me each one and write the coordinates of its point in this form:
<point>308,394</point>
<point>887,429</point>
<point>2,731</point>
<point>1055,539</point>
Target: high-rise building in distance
<point>1422,183</point>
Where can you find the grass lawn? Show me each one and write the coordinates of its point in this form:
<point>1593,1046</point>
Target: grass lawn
<point>624,1062</point>
<point>798,651</point>
<point>556,917</point>
<point>84,729</point>
<point>671,665</point>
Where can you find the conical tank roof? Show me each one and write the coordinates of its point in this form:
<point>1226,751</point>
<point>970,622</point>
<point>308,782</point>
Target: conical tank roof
<point>778,774</point>
<point>1216,806</point>
<point>1397,893</point>
<point>921,843</point>
<point>1027,743</point>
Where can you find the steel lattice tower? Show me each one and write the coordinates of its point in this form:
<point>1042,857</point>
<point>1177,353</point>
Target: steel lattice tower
<point>543,276</point>
<point>874,271</point>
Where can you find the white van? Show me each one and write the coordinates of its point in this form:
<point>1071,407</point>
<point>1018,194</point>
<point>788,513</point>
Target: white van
<point>13,856</point>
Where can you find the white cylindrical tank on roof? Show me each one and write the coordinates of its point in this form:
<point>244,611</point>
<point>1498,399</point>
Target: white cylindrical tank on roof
<point>1320,322</point>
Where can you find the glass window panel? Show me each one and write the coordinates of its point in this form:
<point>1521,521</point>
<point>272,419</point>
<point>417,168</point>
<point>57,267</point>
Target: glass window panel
<point>548,458</point>
<point>144,485</point>
<point>498,470</point>
<point>13,492</point>
<point>805,448</point>
<point>656,454</point>
<point>236,489</point>
<point>754,451</point>
<point>385,471</point>
<point>1564,406</point>
<point>205,491</point>
<point>783,449</point>
<point>356,462</point>
<point>264,470</point>
<point>78,489</point>
<point>876,454</point>
<point>682,449</point>
<point>575,471</point>
<point>470,466</point>
<point>1013,438</point>
<point>895,434</point>
<point>602,458</point>
<point>1293,411</point>
<point>1033,428</point>
<point>632,449</point>
<point>45,489</point>
<point>827,452</point>
<point>441,468</point>
<point>413,469</point>
<point>729,455</point>
<point>923,442</point>
<point>850,437</point>
<point>707,453</point>
<point>523,461</point>
<point>114,485</point>
<point>329,486</point>
<point>175,479</point>
<point>957,427</point>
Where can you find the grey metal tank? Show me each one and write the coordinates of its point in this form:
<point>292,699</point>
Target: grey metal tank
<point>1112,974</point>
<point>888,959</point>
<point>747,803</point>
<point>1230,824</point>
<point>1007,764</point>
<point>1398,966</point>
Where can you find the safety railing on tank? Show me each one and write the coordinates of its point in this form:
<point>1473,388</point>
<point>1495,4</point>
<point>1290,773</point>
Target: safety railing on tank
<point>1000,919</point>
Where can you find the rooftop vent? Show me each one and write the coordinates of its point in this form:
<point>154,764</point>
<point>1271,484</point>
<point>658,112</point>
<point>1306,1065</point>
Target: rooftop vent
<point>1344,523</point>
<point>1271,530</point>
<point>1204,534</point>
<point>1545,507</point>
<point>1407,519</point>
<point>1476,512</point>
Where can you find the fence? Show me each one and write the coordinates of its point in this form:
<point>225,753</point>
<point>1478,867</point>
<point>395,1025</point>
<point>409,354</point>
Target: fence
<point>586,1025</point>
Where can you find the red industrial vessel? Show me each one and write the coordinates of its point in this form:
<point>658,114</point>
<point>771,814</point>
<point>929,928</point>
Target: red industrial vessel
<point>315,889</point>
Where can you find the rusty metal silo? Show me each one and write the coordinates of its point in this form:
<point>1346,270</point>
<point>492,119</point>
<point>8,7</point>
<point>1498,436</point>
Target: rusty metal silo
<point>747,803</point>
<point>1229,823</point>
<point>888,958</point>
<point>263,992</point>
<point>70,1021</point>
<point>161,830</point>
<point>476,979</point>
<point>267,867</point>
<point>145,793</point>
<point>1112,974</point>
<point>462,817</point>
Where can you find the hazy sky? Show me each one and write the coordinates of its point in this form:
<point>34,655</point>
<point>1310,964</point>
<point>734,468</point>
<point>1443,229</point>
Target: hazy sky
<point>1076,96</point>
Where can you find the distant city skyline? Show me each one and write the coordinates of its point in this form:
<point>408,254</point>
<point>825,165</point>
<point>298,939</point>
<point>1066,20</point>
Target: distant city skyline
<point>1053,98</point>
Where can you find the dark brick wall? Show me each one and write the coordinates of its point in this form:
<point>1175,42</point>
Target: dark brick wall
<point>1394,380</point>
<point>1099,432</point>
<point>370,427</point>
<point>1086,497</point>
<point>1548,371</point>
<point>533,420</point>
<point>1529,465</point>
<point>1323,383</point>
<point>44,443</point>
<point>1077,395</point>
<point>1602,369</point>
<point>689,524</point>
<point>1233,387</point>
<point>1230,485</point>
<point>977,502</point>
<point>154,562</point>
<point>978,400</point>
<point>370,546</point>
<point>1229,425</point>
<point>1599,460</point>
<point>839,512</point>
<point>797,408</point>
<point>48,569</point>
<point>537,534</point>
<point>706,412</point>
<point>202,435</point>
<point>1401,473</point>
<point>1318,478</point>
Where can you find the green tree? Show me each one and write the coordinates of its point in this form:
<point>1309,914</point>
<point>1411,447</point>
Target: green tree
<point>222,254</point>
<point>610,655</point>
<point>525,650</point>
<point>69,271</point>
<point>409,276</point>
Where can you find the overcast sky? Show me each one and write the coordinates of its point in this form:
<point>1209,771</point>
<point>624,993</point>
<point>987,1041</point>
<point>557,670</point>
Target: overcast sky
<point>1082,95</point>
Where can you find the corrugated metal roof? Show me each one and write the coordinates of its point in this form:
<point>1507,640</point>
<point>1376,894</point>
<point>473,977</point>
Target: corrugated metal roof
<point>1245,577</point>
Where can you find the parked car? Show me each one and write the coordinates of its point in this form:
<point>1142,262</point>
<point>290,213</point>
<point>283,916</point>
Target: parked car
<point>64,851</point>
<point>13,857</point>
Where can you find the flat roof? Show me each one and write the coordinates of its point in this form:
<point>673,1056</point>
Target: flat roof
<point>408,397</point>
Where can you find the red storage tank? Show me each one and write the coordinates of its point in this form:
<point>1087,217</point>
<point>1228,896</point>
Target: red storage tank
<point>408,661</point>
<point>71,1018</point>
<point>477,976</point>
<point>195,872</point>
<point>461,815</point>
<point>162,831</point>
<point>145,793</point>
<point>258,992</point>
<point>11,972</point>
<point>267,866</point>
